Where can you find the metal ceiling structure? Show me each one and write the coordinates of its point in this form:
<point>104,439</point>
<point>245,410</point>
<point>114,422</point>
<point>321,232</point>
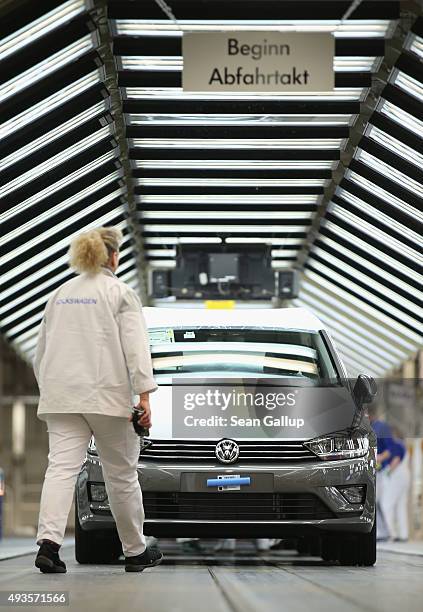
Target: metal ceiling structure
<point>85,142</point>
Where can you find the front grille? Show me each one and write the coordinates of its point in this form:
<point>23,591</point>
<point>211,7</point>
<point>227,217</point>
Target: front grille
<point>235,507</point>
<point>251,451</point>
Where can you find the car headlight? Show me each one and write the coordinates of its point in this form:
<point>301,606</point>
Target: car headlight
<point>340,445</point>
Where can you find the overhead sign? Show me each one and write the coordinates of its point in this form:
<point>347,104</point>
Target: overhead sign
<point>257,61</point>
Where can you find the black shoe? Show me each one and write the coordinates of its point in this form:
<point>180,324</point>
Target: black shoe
<point>149,558</point>
<point>193,546</point>
<point>48,560</point>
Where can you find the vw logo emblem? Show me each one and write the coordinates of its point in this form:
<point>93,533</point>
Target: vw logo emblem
<point>227,451</point>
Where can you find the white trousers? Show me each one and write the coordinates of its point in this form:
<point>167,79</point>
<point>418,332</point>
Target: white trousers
<point>118,448</point>
<point>395,503</point>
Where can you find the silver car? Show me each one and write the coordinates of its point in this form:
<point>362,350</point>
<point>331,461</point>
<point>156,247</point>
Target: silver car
<point>304,472</point>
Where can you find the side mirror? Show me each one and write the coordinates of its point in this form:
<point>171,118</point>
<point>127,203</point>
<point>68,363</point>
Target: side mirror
<point>365,390</point>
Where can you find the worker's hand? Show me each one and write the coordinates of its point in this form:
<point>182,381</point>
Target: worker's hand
<point>144,404</point>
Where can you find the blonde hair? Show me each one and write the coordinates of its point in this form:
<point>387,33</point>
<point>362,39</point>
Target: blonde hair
<point>91,250</point>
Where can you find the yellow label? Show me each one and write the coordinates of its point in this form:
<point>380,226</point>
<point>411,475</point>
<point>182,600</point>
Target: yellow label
<point>220,304</point>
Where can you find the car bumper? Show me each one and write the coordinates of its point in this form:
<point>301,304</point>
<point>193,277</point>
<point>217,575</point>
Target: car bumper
<point>318,479</point>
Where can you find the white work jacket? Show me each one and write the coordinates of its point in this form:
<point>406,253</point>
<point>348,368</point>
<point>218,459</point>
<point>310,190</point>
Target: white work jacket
<point>93,352</point>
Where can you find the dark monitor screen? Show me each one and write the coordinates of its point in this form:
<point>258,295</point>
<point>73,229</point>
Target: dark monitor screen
<point>223,266</point>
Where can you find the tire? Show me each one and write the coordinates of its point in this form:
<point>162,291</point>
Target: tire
<point>329,549</point>
<point>102,546</point>
<point>358,549</point>
<point>309,546</point>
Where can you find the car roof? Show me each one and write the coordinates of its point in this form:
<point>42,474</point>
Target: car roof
<point>284,318</point>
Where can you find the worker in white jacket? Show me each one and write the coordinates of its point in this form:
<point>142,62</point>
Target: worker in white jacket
<point>92,358</point>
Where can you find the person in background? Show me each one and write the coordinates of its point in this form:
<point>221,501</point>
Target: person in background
<point>384,455</point>
<point>92,358</point>
<point>396,498</point>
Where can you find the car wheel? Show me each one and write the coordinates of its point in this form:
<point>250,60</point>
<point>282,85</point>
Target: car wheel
<point>102,546</point>
<point>329,548</point>
<point>358,549</point>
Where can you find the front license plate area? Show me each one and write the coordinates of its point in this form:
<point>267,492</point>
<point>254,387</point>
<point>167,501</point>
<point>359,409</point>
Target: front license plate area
<point>196,482</point>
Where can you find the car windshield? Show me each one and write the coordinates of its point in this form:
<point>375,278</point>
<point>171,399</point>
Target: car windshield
<point>239,352</point>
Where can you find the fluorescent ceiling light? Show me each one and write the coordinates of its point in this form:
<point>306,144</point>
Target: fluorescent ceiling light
<point>415,45</point>
<point>357,28</point>
<point>239,143</point>
<point>362,206</point>
<point>371,250</point>
<point>369,295</point>
<point>42,69</point>
<point>40,27</point>
<point>48,104</point>
<point>364,278</point>
<point>29,322</point>
<point>325,294</point>
<point>64,243</point>
<point>174,63</point>
<point>36,172</point>
<point>396,146</point>
<point>365,263</point>
<point>389,171</point>
<point>177,240</point>
<point>374,232</point>
<point>383,194</point>
<point>226,214</point>
<point>162,263</point>
<point>233,164</point>
<point>239,119</point>
<point>331,313</point>
<point>277,264</point>
<point>384,319</point>
<point>236,229</point>
<point>284,253</point>
<point>161,252</point>
<point>359,358</point>
<point>54,134</point>
<point>270,241</point>
<point>218,198</point>
<point>177,93</point>
<point>62,206</point>
<point>411,86</point>
<point>400,116</point>
<point>62,226</point>
<point>229,182</point>
<point>36,198</point>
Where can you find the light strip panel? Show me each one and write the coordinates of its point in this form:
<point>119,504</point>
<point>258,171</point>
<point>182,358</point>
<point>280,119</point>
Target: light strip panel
<point>411,86</point>
<point>62,206</point>
<point>239,143</point>
<point>352,329</point>
<point>161,252</point>
<point>358,28</point>
<point>217,198</point>
<point>172,93</point>
<point>233,164</point>
<point>374,232</point>
<point>59,245</point>
<point>61,157</point>
<point>383,194</point>
<point>36,198</point>
<point>240,119</point>
<point>270,241</point>
<point>371,250</point>
<point>396,146</point>
<point>400,116</point>
<point>40,27</point>
<point>229,182</point>
<point>226,214</point>
<point>385,318</point>
<point>390,278</point>
<point>355,311</point>
<point>42,69</point>
<point>362,206</point>
<point>48,104</point>
<point>53,135</point>
<point>248,229</point>
<point>415,45</point>
<point>390,172</point>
